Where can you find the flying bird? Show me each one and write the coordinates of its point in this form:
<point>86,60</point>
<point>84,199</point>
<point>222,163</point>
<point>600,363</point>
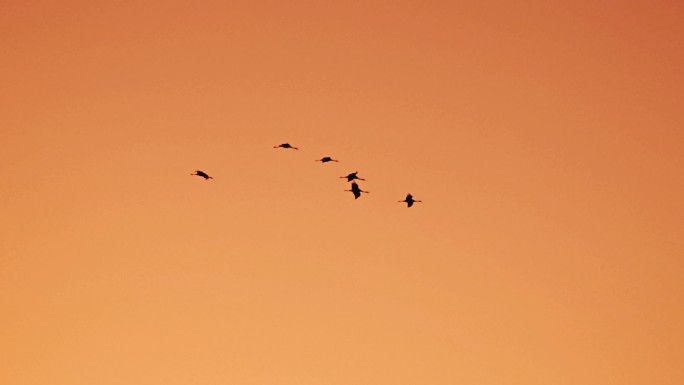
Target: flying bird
<point>352,176</point>
<point>409,200</point>
<point>326,159</point>
<point>356,190</point>
<point>202,174</point>
<point>286,145</point>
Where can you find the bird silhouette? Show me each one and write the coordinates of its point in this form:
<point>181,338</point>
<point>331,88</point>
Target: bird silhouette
<point>326,159</point>
<point>286,145</point>
<point>202,174</point>
<point>409,200</point>
<point>356,190</point>
<point>352,176</point>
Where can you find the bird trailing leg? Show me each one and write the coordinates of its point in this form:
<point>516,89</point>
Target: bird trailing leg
<point>409,200</point>
<point>356,190</point>
<point>352,176</point>
<point>286,145</point>
<point>202,174</point>
<point>326,159</point>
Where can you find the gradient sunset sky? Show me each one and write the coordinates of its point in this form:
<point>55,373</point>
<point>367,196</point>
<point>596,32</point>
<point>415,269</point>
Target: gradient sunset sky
<point>544,137</point>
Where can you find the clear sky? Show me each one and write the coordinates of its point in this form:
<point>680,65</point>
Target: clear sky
<point>544,138</point>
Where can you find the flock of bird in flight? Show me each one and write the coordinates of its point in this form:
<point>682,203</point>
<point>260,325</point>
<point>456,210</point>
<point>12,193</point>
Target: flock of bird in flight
<point>355,189</point>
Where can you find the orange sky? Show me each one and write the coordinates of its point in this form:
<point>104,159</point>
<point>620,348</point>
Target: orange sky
<point>544,138</point>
